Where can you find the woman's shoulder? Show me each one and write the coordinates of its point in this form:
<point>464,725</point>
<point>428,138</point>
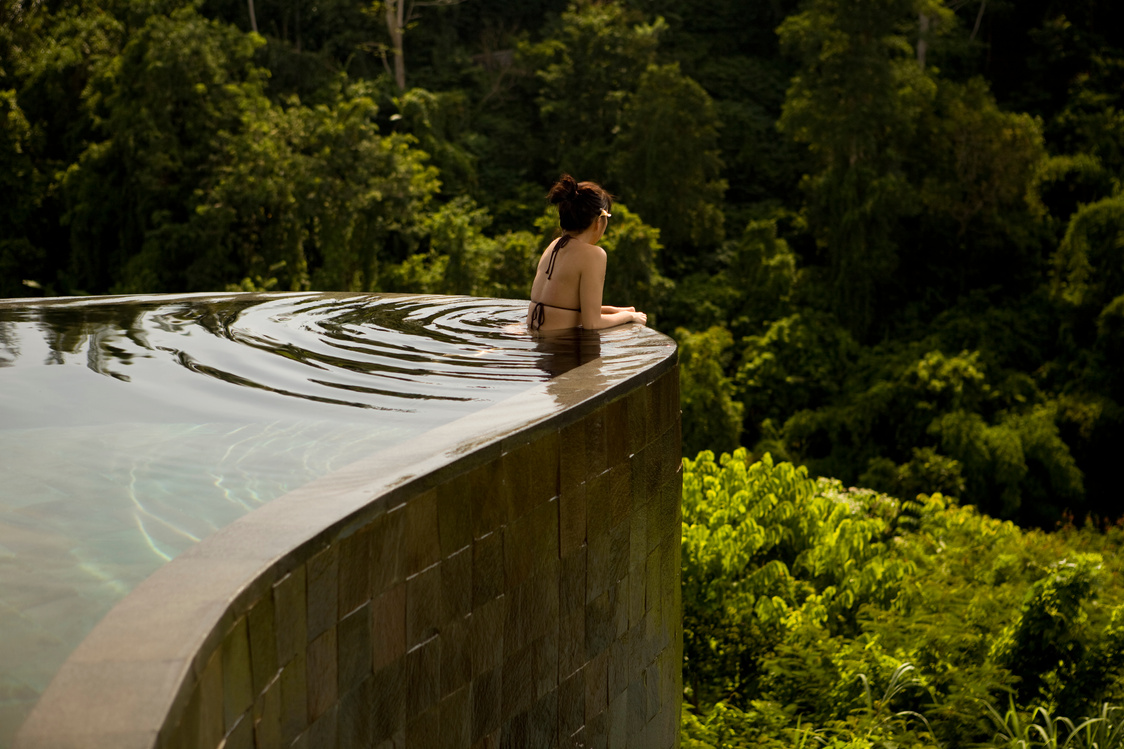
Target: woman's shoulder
<point>590,249</point>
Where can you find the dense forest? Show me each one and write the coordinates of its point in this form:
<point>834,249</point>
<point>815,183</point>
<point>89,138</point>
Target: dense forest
<point>888,236</point>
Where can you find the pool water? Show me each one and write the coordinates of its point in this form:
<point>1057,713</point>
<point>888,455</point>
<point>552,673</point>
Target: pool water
<point>131,428</point>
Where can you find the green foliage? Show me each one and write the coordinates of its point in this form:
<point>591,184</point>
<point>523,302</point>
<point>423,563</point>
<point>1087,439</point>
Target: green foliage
<point>855,101</point>
<point>677,188</point>
<point>816,615</point>
<point>588,65</point>
<point>633,248</point>
<point>710,414</point>
<point>1089,263</point>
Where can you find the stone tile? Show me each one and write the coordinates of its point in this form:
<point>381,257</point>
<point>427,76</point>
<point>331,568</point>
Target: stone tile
<point>424,606</point>
<point>388,626</point>
<point>652,590</point>
<point>267,717</point>
<point>423,676</point>
<point>595,444</point>
<point>620,492</point>
<point>575,740</point>
<point>636,601</point>
<point>532,608</point>
<point>518,682</point>
<point>670,455</point>
<point>388,701</point>
<point>486,635</point>
<point>516,732</point>
<point>669,498</point>
<point>530,543</point>
<point>572,580</point>
<point>324,733</point>
<point>241,734</point>
<point>571,640</point>
<point>544,654</point>
<point>491,741</point>
<point>599,516</point>
<point>542,723</point>
<point>355,571</point>
<point>651,693</point>
<point>619,665</point>
<point>294,698</point>
<point>323,591</point>
<point>486,704</point>
<point>618,721</point>
<point>355,727</point>
<point>237,680</point>
<point>210,712</point>
<point>571,518</point>
<point>515,491</point>
<point>656,532</point>
<point>599,625</point>
<point>596,685</point>
<point>487,506</point>
<point>670,570</point>
<point>649,460</point>
<point>423,544</point>
<point>638,406</point>
<point>598,568</point>
<point>616,432</point>
<point>388,544</point>
<point>455,719</point>
<point>354,657</point>
<point>263,643</point>
<point>424,730</point>
<point>488,568</point>
<point>619,551</point>
<point>618,606</point>
<point>638,538</point>
<point>290,616</point>
<point>454,521</point>
<point>572,457</point>
<point>545,455</point>
<point>456,660</point>
<point>323,677</point>
<point>597,730</point>
<point>397,741</point>
<point>637,711</point>
<point>571,703</point>
<point>456,583</point>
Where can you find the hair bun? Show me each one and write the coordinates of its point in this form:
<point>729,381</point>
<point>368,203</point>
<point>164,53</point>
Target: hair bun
<point>564,190</point>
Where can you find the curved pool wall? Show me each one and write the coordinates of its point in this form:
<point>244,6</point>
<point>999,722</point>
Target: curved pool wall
<point>508,579</point>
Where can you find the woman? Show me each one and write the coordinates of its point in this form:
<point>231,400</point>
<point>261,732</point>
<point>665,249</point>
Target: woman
<point>571,275</point>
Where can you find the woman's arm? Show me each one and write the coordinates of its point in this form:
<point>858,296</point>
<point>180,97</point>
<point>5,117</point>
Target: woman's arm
<point>594,316</point>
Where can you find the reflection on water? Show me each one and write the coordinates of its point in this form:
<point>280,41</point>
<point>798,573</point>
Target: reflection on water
<point>131,428</point>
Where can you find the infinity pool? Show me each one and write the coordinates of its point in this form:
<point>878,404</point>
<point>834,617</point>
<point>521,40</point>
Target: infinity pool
<point>133,427</point>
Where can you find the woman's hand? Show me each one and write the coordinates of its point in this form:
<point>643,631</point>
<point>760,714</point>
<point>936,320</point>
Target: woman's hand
<point>639,317</point>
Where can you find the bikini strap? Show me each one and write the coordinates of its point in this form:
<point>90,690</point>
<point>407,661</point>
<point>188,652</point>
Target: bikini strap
<point>554,254</point>
<point>538,316</point>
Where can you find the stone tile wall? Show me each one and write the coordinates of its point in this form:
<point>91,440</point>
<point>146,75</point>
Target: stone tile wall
<point>532,600</point>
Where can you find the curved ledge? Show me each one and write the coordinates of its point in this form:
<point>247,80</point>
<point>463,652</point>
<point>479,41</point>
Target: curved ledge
<point>513,575</point>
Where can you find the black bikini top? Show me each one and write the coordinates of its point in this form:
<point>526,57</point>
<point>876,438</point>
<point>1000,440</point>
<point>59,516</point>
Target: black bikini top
<point>538,314</point>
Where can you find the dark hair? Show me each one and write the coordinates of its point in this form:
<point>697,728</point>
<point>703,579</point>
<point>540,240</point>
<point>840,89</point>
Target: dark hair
<point>579,203</point>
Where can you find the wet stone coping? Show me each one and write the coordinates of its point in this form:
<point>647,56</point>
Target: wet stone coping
<point>277,629</point>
